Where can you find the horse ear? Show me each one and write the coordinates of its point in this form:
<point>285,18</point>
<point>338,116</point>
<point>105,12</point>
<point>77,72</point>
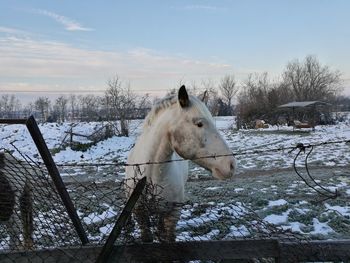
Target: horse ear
<point>204,97</point>
<point>183,97</point>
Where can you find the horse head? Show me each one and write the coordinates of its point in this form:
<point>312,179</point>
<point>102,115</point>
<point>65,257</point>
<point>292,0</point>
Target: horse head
<point>193,136</point>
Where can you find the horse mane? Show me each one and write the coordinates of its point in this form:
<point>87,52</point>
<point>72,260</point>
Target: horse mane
<point>167,102</point>
<point>159,106</point>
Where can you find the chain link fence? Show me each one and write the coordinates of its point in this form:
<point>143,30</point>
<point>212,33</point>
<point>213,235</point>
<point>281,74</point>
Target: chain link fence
<point>40,220</point>
<point>36,225</point>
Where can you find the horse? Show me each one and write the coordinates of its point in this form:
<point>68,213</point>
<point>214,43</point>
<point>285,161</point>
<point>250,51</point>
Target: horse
<point>16,204</point>
<point>177,127</point>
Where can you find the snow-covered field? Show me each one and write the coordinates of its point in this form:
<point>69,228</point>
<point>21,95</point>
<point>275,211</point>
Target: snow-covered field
<point>278,196</point>
<point>117,148</point>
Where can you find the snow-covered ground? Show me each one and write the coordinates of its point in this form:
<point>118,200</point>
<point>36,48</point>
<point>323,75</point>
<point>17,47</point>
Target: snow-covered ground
<point>298,216</point>
<point>117,148</point>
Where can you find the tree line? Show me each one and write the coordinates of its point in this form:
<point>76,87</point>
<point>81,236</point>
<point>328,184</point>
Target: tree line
<point>306,80</point>
<point>256,97</point>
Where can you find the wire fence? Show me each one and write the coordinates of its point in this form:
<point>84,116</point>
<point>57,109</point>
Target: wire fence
<point>44,223</point>
<point>213,156</point>
<point>33,216</point>
<point>99,203</point>
<point>30,208</point>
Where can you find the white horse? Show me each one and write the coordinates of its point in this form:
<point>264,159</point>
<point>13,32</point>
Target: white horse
<point>16,205</point>
<point>176,127</point>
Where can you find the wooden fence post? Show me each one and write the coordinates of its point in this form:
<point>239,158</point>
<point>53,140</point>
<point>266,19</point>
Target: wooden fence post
<point>122,219</point>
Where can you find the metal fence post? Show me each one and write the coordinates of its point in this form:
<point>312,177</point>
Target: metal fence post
<point>45,154</point>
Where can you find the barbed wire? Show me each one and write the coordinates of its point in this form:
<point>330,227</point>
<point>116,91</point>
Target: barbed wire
<point>214,156</point>
<point>322,191</point>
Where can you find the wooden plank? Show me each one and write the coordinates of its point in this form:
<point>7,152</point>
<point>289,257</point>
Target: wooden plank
<point>13,121</point>
<point>205,250</point>
<point>318,250</point>
<point>337,250</point>
<point>197,250</point>
<point>62,255</point>
<point>77,134</point>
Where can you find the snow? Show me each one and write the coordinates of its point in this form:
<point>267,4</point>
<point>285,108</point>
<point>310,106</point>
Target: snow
<point>278,219</point>
<point>345,211</point>
<point>213,188</point>
<point>239,141</point>
<point>212,213</point>
<point>320,228</point>
<point>116,149</point>
<point>293,226</point>
<point>105,230</point>
<point>278,202</point>
<point>241,231</point>
<point>98,217</point>
<point>104,150</point>
<point>303,202</point>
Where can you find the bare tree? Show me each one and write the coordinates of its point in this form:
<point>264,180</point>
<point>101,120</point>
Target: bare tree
<point>89,107</point>
<point>257,98</point>
<point>309,80</point>
<point>42,104</point>
<point>193,89</point>
<point>9,105</point>
<point>144,104</point>
<point>120,102</point>
<point>72,100</point>
<point>29,109</point>
<point>260,97</point>
<point>60,108</point>
<point>211,100</point>
<point>228,89</point>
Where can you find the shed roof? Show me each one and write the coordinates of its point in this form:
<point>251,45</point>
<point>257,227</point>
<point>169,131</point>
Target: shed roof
<point>300,104</point>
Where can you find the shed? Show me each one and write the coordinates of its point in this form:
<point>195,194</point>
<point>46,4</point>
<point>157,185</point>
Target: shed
<point>309,106</point>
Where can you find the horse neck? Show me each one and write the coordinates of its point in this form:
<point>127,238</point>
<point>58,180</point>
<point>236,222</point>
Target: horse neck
<point>157,138</point>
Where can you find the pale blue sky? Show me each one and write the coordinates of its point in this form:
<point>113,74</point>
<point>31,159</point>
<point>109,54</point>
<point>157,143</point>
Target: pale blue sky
<point>67,46</point>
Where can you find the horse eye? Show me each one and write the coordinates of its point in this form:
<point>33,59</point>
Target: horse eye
<point>199,124</point>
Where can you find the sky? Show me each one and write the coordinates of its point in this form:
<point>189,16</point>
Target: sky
<point>60,47</point>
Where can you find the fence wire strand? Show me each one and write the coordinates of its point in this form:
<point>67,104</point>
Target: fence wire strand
<point>100,202</point>
<point>213,156</point>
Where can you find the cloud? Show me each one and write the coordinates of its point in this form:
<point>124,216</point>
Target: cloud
<point>68,23</point>
<point>57,63</point>
<point>12,31</point>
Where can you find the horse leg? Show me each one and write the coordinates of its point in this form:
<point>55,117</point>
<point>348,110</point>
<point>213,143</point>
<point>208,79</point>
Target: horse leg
<point>143,219</point>
<point>167,225</point>
<point>26,207</point>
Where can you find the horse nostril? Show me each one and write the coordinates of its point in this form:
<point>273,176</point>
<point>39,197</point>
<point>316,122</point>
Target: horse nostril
<point>232,165</point>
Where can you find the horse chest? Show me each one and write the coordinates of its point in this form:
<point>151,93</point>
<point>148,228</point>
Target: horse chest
<point>171,178</point>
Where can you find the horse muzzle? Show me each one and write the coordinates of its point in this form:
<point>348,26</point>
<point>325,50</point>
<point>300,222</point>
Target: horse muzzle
<point>225,171</point>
